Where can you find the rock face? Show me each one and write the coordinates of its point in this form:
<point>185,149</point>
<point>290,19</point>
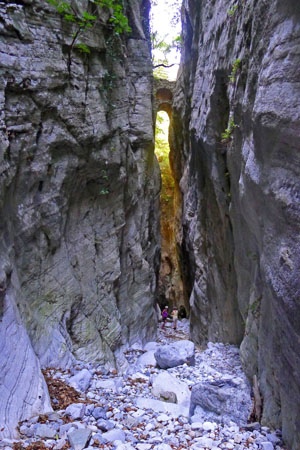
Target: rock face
<point>78,197</point>
<point>240,220</point>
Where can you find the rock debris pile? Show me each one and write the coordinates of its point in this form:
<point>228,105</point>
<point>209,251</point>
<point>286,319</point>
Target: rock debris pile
<point>201,404</point>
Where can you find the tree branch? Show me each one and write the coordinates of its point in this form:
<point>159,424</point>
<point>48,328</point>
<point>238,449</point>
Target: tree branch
<point>163,65</point>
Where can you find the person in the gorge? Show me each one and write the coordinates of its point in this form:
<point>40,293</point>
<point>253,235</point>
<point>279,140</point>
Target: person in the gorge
<point>164,316</point>
<point>175,317</point>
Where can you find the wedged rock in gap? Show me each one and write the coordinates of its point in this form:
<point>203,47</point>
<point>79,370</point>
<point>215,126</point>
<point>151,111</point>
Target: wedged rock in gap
<point>79,438</point>
<point>220,401</point>
<point>175,354</point>
<point>81,381</point>
<point>165,384</point>
<point>172,409</point>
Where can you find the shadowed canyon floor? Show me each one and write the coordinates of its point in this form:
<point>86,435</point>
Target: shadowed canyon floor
<point>198,407</point>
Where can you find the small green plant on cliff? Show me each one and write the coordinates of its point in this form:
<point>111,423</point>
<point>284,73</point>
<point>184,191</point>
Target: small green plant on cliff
<point>235,68</point>
<point>226,136</point>
<point>232,10</point>
<point>84,21</point>
<point>104,191</point>
<point>254,308</point>
<point>108,82</point>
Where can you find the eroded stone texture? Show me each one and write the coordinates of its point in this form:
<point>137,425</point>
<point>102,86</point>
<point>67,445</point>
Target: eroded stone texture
<point>240,219</point>
<point>78,194</point>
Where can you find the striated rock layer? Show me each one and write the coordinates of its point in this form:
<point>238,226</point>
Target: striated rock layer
<point>79,198</point>
<point>240,235</point>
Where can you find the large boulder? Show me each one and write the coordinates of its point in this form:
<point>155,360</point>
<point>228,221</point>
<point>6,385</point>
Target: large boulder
<point>168,388</point>
<point>221,401</point>
<point>175,354</point>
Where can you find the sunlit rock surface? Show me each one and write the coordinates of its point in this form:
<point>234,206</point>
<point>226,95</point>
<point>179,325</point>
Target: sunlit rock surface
<point>239,239</point>
<point>78,197</point>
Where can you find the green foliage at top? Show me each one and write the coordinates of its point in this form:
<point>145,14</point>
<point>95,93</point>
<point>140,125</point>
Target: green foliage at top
<point>84,21</point>
<point>235,68</point>
<point>165,44</point>
<point>159,44</point>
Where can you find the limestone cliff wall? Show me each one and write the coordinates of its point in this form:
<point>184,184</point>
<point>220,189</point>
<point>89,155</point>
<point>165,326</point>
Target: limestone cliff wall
<point>241,211</point>
<point>79,198</point>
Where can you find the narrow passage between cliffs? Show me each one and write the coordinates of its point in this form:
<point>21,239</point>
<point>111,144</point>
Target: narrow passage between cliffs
<point>170,282</point>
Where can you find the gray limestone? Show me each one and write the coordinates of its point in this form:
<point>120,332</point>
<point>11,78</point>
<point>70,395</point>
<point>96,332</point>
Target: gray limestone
<point>147,359</point>
<point>79,228</point>
<point>239,235</point>
<point>75,411</point>
<point>164,385</point>
<point>220,401</point>
<point>81,380</point>
<point>114,435</point>
<point>44,431</point>
<point>172,355</point>
<point>99,413</point>
<point>79,438</point>
<point>104,425</point>
<point>23,389</point>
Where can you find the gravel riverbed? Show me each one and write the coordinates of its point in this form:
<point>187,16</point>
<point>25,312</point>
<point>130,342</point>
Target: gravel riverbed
<point>200,407</point>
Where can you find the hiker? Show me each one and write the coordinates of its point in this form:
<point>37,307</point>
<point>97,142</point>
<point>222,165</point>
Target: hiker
<point>164,316</point>
<point>175,317</point>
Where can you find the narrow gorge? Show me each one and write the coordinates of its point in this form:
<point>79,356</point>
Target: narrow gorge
<point>82,261</point>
